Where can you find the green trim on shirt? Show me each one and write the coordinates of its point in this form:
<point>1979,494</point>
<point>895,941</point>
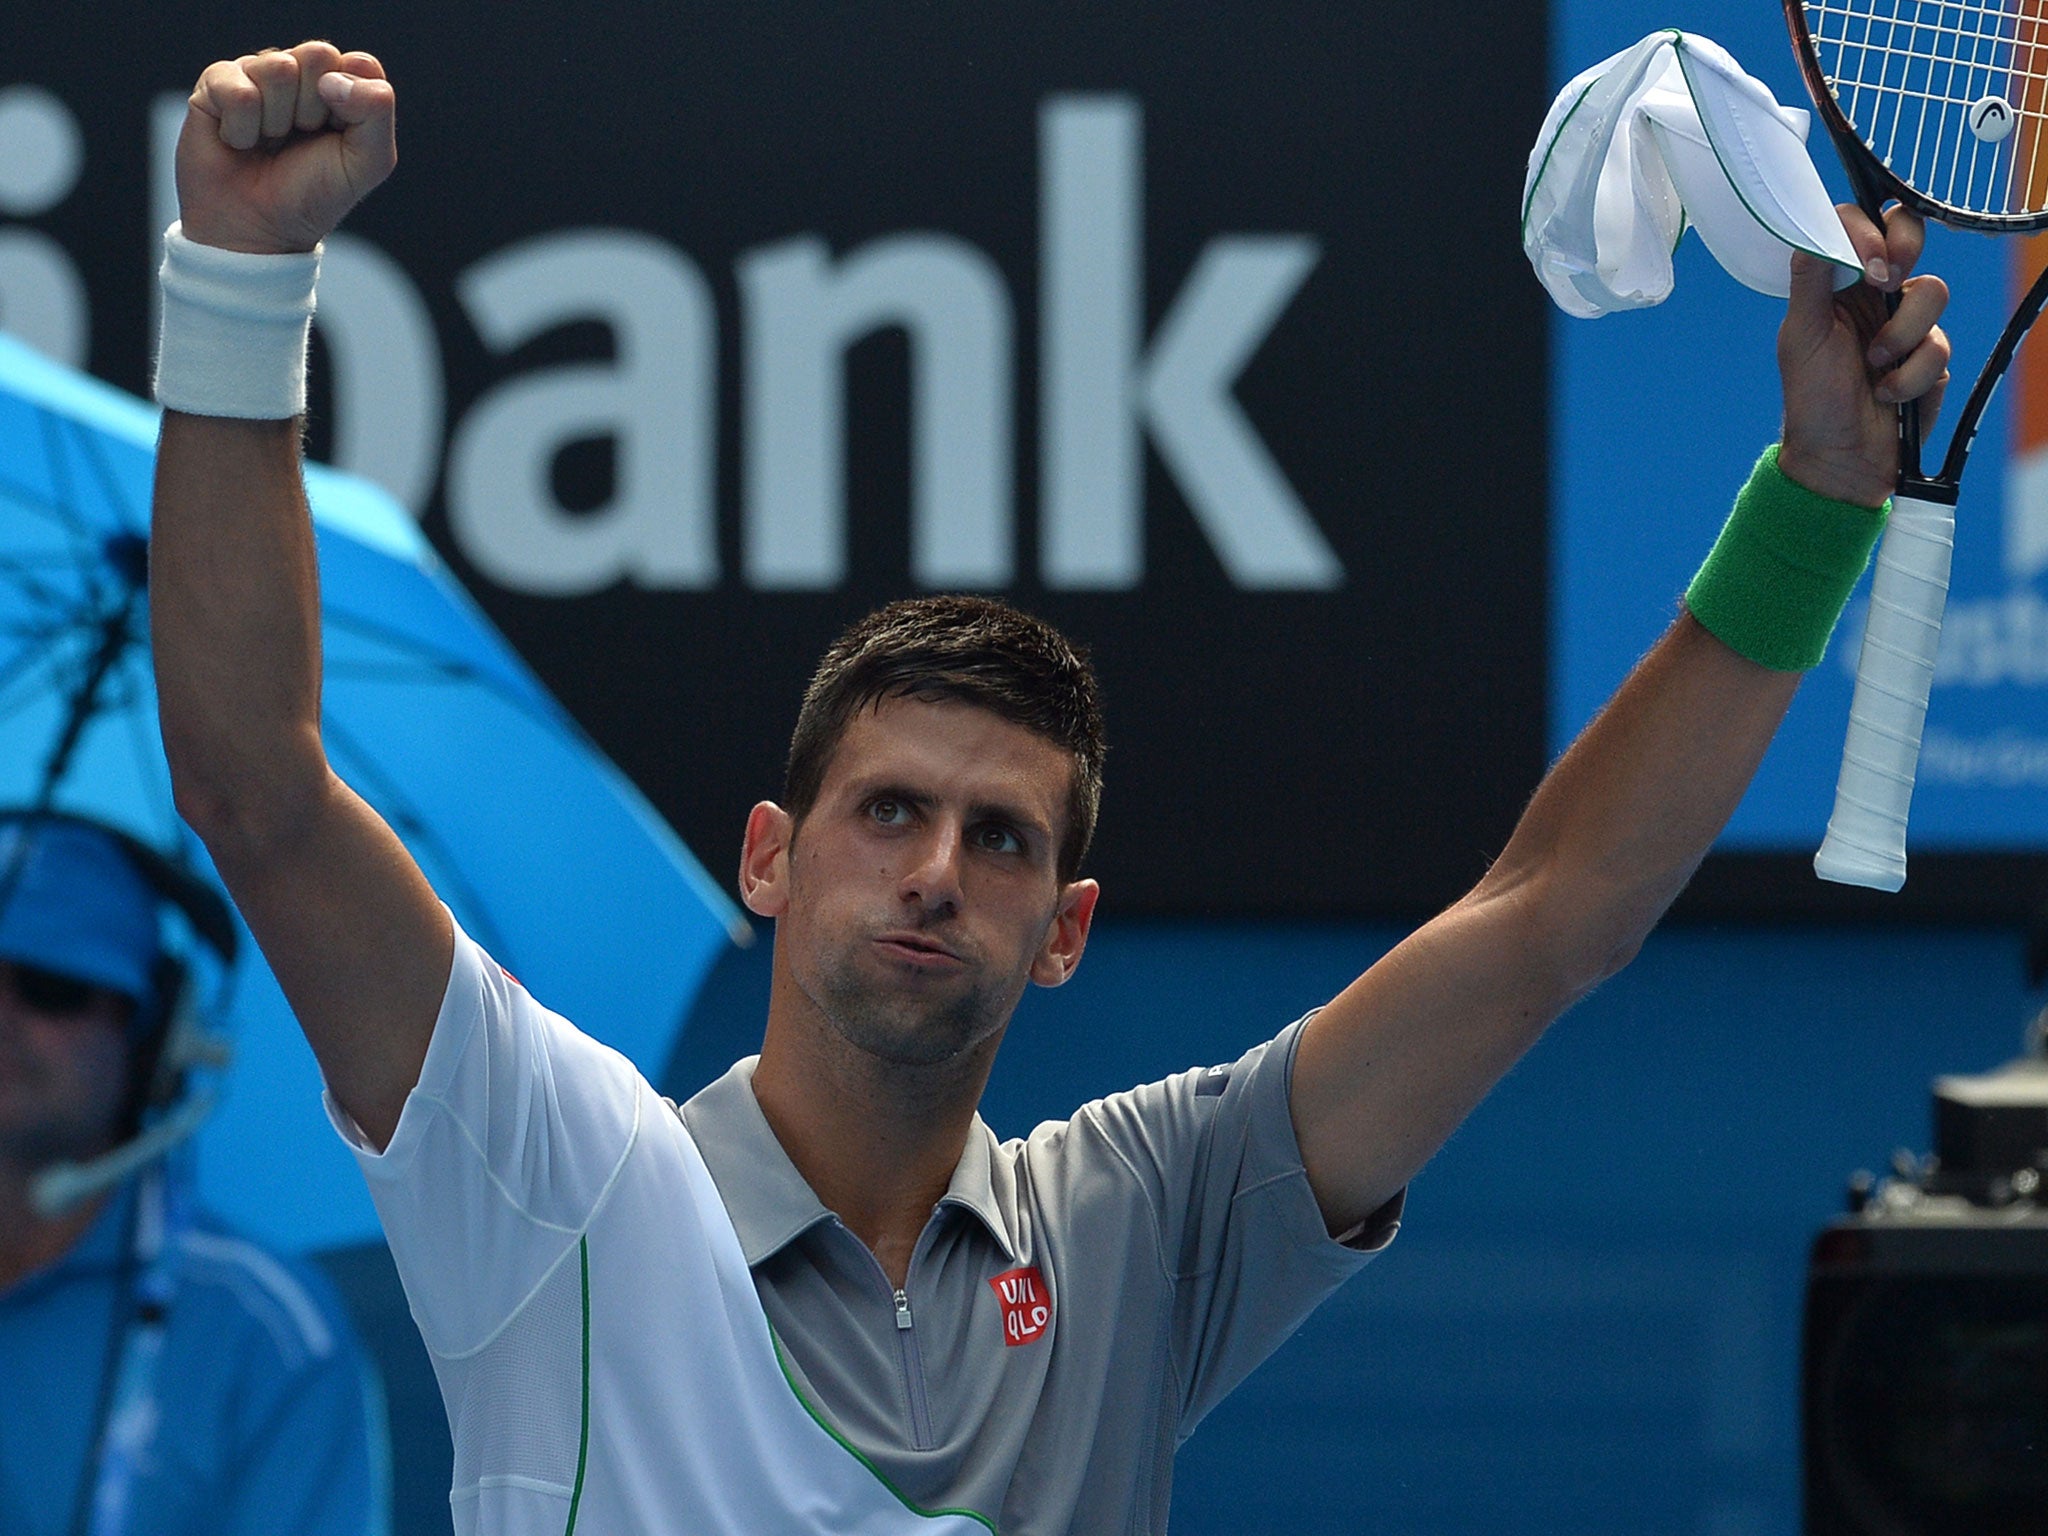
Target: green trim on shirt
<point>855,1452</point>
<point>583,1444</point>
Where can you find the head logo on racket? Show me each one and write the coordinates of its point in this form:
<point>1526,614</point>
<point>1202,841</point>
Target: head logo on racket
<point>1991,118</point>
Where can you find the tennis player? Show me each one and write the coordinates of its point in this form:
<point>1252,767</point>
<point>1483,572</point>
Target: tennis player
<point>821,1296</point>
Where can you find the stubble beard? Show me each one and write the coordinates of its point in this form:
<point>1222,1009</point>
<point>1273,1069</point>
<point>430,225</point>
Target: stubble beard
<point>894,1025</point>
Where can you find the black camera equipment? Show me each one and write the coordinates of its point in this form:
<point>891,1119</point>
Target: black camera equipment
<point>1925,1378</point>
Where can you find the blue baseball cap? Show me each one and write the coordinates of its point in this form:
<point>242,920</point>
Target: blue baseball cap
<point>71,901</point>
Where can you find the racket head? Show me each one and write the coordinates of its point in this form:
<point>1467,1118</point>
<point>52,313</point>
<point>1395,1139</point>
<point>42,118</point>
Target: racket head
<point>1899,84</point>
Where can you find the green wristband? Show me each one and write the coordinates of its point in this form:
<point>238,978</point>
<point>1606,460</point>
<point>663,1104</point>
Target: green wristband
<point>1779,576</point>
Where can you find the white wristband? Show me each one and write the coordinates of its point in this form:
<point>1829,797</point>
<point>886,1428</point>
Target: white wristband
<point>234,335</point>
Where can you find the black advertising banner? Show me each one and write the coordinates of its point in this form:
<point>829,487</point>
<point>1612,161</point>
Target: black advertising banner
<point>692,333</point>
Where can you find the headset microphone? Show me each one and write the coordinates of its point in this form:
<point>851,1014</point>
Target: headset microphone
<point>169,1037</point>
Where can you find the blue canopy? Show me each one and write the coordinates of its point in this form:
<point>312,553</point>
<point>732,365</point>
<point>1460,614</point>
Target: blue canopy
<point>543,850</point>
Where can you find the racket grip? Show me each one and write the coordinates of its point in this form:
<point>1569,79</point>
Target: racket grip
<point>1866,837</point>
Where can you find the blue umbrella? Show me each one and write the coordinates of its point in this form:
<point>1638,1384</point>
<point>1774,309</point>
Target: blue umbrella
<point>544,851</point>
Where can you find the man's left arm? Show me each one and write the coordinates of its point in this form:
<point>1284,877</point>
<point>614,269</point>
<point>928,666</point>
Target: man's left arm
<point>1389,1069</point>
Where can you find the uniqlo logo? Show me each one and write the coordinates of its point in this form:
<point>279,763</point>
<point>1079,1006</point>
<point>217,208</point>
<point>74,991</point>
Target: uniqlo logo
<point>1026,1304</point>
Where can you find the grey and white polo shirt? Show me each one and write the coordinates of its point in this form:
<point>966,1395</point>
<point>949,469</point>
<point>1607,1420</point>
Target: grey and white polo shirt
<point>642,1320</point>
<point>1077,1302</point>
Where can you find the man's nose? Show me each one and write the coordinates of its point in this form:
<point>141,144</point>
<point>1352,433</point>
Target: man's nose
<point>933,880</point>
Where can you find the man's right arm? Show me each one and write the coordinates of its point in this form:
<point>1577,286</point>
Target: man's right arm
<point>268,162</point>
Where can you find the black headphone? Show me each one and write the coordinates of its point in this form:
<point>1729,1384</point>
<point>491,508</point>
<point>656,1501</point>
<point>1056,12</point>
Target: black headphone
<point>155,1084</point>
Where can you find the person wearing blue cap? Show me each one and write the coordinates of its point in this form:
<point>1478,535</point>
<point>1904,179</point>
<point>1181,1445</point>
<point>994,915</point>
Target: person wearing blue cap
<point>159,1374</point>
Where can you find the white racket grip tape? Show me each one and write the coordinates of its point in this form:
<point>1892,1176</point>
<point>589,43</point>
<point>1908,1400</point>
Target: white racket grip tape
<point>1866,837</point>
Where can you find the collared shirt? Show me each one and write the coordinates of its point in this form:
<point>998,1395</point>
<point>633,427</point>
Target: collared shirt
<point>267,1418</point>
<point>1077,1302</point>
<point>611,1363</point>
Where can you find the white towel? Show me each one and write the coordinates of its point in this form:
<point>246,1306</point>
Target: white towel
<point>1668,134</point>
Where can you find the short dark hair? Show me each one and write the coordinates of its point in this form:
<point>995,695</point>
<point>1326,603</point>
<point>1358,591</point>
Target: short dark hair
<point>972,650</point>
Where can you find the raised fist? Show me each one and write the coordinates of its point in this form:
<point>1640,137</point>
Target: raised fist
<point>278,145</point>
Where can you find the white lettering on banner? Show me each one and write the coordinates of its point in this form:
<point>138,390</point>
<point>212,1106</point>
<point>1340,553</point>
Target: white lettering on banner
<point>2002,760</point>
<point>1990,641</point>
<point>2026,515</point>
<point>42,152</point>
<point>1103,392</point>
<point>42,297</point>
<point>166,121</point>
<point>1098,396</point>
<point>656,403</point>
<point>385,362</point>
<point>800,314</point>
<point>1986,642</point>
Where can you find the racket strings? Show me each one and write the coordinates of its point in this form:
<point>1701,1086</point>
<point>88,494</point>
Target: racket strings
<point>1951,95</point>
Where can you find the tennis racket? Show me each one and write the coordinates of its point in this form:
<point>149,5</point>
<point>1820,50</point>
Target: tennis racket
<point>1943,106</point>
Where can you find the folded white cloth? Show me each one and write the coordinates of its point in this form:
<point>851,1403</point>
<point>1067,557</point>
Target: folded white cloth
<point>1669,133</point>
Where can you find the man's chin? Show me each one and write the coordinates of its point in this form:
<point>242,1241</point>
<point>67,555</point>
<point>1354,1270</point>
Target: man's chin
<point>910,1016</point>
<point>912,1047</point>
<point>913,1037</point>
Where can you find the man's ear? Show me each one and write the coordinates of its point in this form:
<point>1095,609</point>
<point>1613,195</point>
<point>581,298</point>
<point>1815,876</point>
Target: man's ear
<point>1068,936</point>
<point>764,860</point>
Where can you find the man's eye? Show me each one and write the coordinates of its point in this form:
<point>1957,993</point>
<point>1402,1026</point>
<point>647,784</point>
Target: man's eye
<point>998,839</point>
<point>889,813</point>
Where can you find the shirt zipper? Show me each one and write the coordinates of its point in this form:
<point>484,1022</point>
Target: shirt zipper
<point>913,1374</point>
<point>921,1438</point>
